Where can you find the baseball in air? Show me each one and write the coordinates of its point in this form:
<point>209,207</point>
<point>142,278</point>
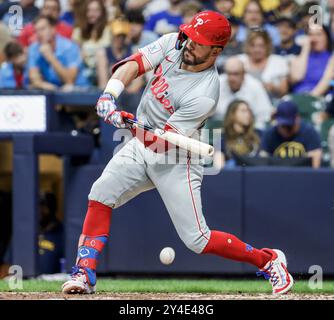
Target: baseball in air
<point>167,255</point>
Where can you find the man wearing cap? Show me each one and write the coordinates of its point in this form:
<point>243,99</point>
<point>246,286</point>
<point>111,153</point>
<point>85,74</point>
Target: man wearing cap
<point>180,97</point>
<point>291,137</point>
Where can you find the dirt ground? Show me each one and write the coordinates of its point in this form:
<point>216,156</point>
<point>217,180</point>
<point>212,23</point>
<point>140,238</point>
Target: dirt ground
<point>158,296</point>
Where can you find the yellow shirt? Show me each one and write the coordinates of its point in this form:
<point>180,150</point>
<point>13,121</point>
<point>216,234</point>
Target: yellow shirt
<point>239,6</point>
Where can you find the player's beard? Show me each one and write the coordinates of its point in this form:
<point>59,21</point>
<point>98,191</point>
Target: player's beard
<point>195,60</point>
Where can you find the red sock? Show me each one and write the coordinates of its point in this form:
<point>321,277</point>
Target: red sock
<point>97,221</point>
<point>228,246</point>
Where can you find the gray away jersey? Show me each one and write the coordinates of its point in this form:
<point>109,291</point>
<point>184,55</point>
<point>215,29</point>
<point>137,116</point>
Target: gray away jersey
<point>179,98</point>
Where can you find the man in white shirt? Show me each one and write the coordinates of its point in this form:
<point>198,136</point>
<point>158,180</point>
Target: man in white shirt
<point>236,84</point>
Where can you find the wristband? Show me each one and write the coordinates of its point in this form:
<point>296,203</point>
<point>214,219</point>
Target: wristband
<point>115,87</point>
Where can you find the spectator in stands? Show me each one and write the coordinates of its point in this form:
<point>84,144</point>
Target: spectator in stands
<point>54,61</point>
<point>234,47</point>
<point>254,19</point>
<point>291,137</point>
<point>74,13</point>
<point>239,134</point>
<point>119,50</point>
<point>4,7</point>
<point>5,37</point>
<point>307,69</point>
<point>259,61</point>
<point>138,37</point>
<point>303,17</point>
<point>52,9</point>
<point>286,9</point>
<point>148,7</point>
<point>267,6</point>
<point>166,21</point>
<point>326,82</point>
<point>92,34</point>
<point>189,9</point>
<point>13,74</point>
<point>30,12</point>
<point>288,47</point>
<point>224,6</point>
<point>235,84</point>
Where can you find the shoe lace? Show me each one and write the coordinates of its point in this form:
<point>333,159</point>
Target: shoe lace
<point>269,274</point>
<point>76,271</point>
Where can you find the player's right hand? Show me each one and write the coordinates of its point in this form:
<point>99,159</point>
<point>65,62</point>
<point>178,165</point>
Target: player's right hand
<point>105,105</point>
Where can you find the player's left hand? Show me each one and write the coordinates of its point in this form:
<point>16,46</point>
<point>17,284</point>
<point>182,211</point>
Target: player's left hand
<point>116,118</point>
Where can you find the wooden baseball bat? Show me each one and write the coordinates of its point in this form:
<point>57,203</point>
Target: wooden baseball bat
<point>179,140</point>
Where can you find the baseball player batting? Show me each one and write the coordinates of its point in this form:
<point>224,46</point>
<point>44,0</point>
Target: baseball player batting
<point>181,94</point>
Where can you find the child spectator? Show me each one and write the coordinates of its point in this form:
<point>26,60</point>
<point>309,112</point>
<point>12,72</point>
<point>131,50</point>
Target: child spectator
<point>92,34</point>
<point>307,69</point>
<point>254,18</point>
<point>53,61</point>
<point>138,37</point>
<point>291,137</point>
<point>235,84</point>
<point>13,73</point>
<point>260,62</point>
<point>52,9</point>
<point>239,134</point>
<point>30,12</point>
<point>166,21</point>
<point>288,47</point>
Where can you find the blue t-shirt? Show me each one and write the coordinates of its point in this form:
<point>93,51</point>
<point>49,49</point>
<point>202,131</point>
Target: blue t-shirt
<point>68,17</point>
<point>307,139</point>
<point>67,53</point>
<point>163,20</point>
<point>316,65</point>
<point>7,78</point>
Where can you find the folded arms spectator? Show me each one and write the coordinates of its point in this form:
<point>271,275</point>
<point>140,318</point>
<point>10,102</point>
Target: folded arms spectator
<point>53,61</point>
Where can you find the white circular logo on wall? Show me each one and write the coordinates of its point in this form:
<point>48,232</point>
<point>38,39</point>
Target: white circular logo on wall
<point>14,114</point>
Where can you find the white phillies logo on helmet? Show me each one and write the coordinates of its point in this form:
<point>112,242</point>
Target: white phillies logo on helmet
<point>199,22</point>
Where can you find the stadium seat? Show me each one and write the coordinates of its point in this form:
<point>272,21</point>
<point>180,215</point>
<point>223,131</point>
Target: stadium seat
<point>307,105</point>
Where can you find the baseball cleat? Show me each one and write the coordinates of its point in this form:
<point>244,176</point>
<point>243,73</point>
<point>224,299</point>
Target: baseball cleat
<point>277,273</point>
<point>80,282</point>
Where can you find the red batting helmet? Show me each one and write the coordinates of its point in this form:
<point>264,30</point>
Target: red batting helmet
<point>208,28</point>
